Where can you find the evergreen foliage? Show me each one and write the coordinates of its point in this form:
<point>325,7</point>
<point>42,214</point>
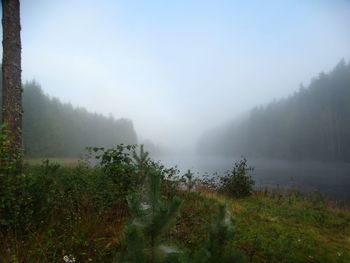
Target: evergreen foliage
<point>312,124</point>
<point>55,129</point>
<point>188,180</point>
<point>53,212</point>
<point>219,247</point>
<point>151,216</point>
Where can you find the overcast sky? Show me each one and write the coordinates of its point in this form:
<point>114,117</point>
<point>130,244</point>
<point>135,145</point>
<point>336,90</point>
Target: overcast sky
<point>177,68</point>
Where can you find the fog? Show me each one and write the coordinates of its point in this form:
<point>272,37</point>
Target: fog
<point>202,82</point>
<point>179,68</point>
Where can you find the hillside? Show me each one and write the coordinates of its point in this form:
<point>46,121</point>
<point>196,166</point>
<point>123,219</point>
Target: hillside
<point>311,124</point>
<point>55,129</point>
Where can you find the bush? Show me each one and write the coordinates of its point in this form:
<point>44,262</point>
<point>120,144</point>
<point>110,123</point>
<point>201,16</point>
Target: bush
<point>237,182</point>
<point>54,211</point>
<point>152,214</point>
<point>118,166</point>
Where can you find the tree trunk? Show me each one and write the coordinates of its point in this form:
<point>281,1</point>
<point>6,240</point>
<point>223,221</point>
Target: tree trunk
<point>12,83</point>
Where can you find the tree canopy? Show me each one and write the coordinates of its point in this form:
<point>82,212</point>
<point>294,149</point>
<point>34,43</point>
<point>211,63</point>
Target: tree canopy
<point>311,124</point>
<point>55,129</point>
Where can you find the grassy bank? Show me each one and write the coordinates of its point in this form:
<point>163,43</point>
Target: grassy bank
<point>289,228</point>
<point>80,211</point>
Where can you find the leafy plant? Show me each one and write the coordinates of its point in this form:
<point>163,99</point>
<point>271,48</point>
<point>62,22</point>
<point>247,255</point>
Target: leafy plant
<point>237,182</point>
<point>117,164</point>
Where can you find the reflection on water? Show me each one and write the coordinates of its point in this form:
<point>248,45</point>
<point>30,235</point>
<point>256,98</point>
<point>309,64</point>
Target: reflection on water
<point>331,179</point>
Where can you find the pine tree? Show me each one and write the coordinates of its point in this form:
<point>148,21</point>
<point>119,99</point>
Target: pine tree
<point>11,80</point>
<point>188,180</point>
<point>141,161</point>
<point>218,247</point>
<point>151,216</point>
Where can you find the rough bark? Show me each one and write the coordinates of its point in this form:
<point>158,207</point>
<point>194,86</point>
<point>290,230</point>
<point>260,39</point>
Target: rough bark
<point>11,73</point>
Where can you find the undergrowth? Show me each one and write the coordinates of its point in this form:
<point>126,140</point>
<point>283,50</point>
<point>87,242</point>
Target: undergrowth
<point>52,211</point>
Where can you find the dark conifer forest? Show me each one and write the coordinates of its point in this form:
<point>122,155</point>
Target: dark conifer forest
<point>311,124</point>
<point>210,176</point>
<point>52,128</point>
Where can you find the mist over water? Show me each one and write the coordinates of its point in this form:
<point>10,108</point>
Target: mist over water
<point>219,127</point>
<point>197,82</point>
<point>179,68</point>
<point>329,179</point>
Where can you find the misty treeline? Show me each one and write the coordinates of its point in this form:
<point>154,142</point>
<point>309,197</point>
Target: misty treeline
<point>55,129</point>
<point>311,124</point>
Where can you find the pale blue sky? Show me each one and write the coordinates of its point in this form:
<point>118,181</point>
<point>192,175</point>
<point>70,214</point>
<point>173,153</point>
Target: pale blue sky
<point>177,68</point>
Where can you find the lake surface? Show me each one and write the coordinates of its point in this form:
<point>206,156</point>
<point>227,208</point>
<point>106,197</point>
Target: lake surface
<point>330,179</point>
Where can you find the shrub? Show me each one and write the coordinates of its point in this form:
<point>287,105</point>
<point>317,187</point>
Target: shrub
<point>117,165</point>
<point>237,182</point>
<point>188,180</point>
<point>152,214</point>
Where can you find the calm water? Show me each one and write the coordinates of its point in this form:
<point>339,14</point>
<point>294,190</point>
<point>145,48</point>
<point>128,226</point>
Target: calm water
<point>330,179</point>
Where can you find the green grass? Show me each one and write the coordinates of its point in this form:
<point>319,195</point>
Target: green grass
<point>269,228</point>
<point>76,210</point>
<point>289,228</point>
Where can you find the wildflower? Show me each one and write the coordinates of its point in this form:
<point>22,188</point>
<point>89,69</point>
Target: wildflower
<point>67,259</point>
